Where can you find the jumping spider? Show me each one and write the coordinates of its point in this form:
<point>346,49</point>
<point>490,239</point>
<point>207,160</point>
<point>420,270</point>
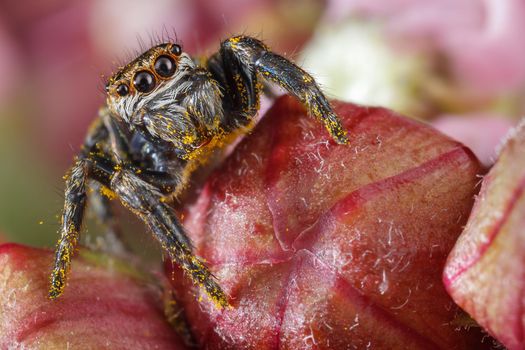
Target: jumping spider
<point>164,112</point>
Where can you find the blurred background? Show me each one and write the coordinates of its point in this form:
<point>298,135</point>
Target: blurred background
<point>458,64</point>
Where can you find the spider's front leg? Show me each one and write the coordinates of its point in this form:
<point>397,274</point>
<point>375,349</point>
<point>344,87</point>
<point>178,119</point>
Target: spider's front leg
<point>75,198</point>
<point>77,184</point>
<point>75,203</point>
<point>145,200</point>
<point>243,58</point>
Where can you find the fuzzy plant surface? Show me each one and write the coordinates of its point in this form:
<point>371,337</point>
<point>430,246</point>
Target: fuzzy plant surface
<point>327,246</point>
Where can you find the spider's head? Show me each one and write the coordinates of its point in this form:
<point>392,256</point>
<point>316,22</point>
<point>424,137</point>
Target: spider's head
<point>146,79</point>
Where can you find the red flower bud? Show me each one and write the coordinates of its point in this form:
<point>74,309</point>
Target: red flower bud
<point>329,246</point>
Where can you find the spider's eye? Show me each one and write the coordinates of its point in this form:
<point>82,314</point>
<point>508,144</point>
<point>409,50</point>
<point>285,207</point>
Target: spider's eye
<point>122,90</point>
<point>144,81</point>
<point>176,49</point>
<point>165,66</point>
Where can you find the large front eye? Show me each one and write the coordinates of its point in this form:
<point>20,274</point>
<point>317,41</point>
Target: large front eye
<point>144,81</point>
<point>165,66</point>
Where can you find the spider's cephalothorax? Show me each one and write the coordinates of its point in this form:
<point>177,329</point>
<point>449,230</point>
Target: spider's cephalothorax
<point>164,113</point>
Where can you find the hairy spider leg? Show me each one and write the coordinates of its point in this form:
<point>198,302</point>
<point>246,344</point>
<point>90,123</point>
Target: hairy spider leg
<point>144,200</point>
<point>245,57</point>
<point>73,212</point>
<point>75,203</point>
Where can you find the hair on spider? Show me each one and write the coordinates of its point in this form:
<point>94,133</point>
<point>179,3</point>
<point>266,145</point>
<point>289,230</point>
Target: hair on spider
<point>166,36</point>
<point>149,139</point>
<point>141,43</point>
<point>160,37</point>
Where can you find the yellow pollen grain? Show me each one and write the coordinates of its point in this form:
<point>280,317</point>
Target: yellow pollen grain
<point>188,139</point>
<point>307,78</point>
<point>107,193</point>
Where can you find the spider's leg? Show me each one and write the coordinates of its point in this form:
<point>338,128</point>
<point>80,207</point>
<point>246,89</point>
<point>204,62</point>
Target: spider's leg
<point>239,82</point>
<point>75,203</point>
<point>145,200</point>
<point>139,193</point>
<point>74,207</point>
<point>72,216</point>
<point>245,57</point>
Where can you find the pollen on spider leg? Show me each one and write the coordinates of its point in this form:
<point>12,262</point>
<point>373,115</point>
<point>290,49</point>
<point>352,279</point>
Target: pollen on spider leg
<point>106,192</point>
<point>203,278</point>
<point>58,277</point>
<point>307,78</point>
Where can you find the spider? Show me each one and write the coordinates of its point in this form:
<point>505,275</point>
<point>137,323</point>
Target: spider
<point>164,113</point>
